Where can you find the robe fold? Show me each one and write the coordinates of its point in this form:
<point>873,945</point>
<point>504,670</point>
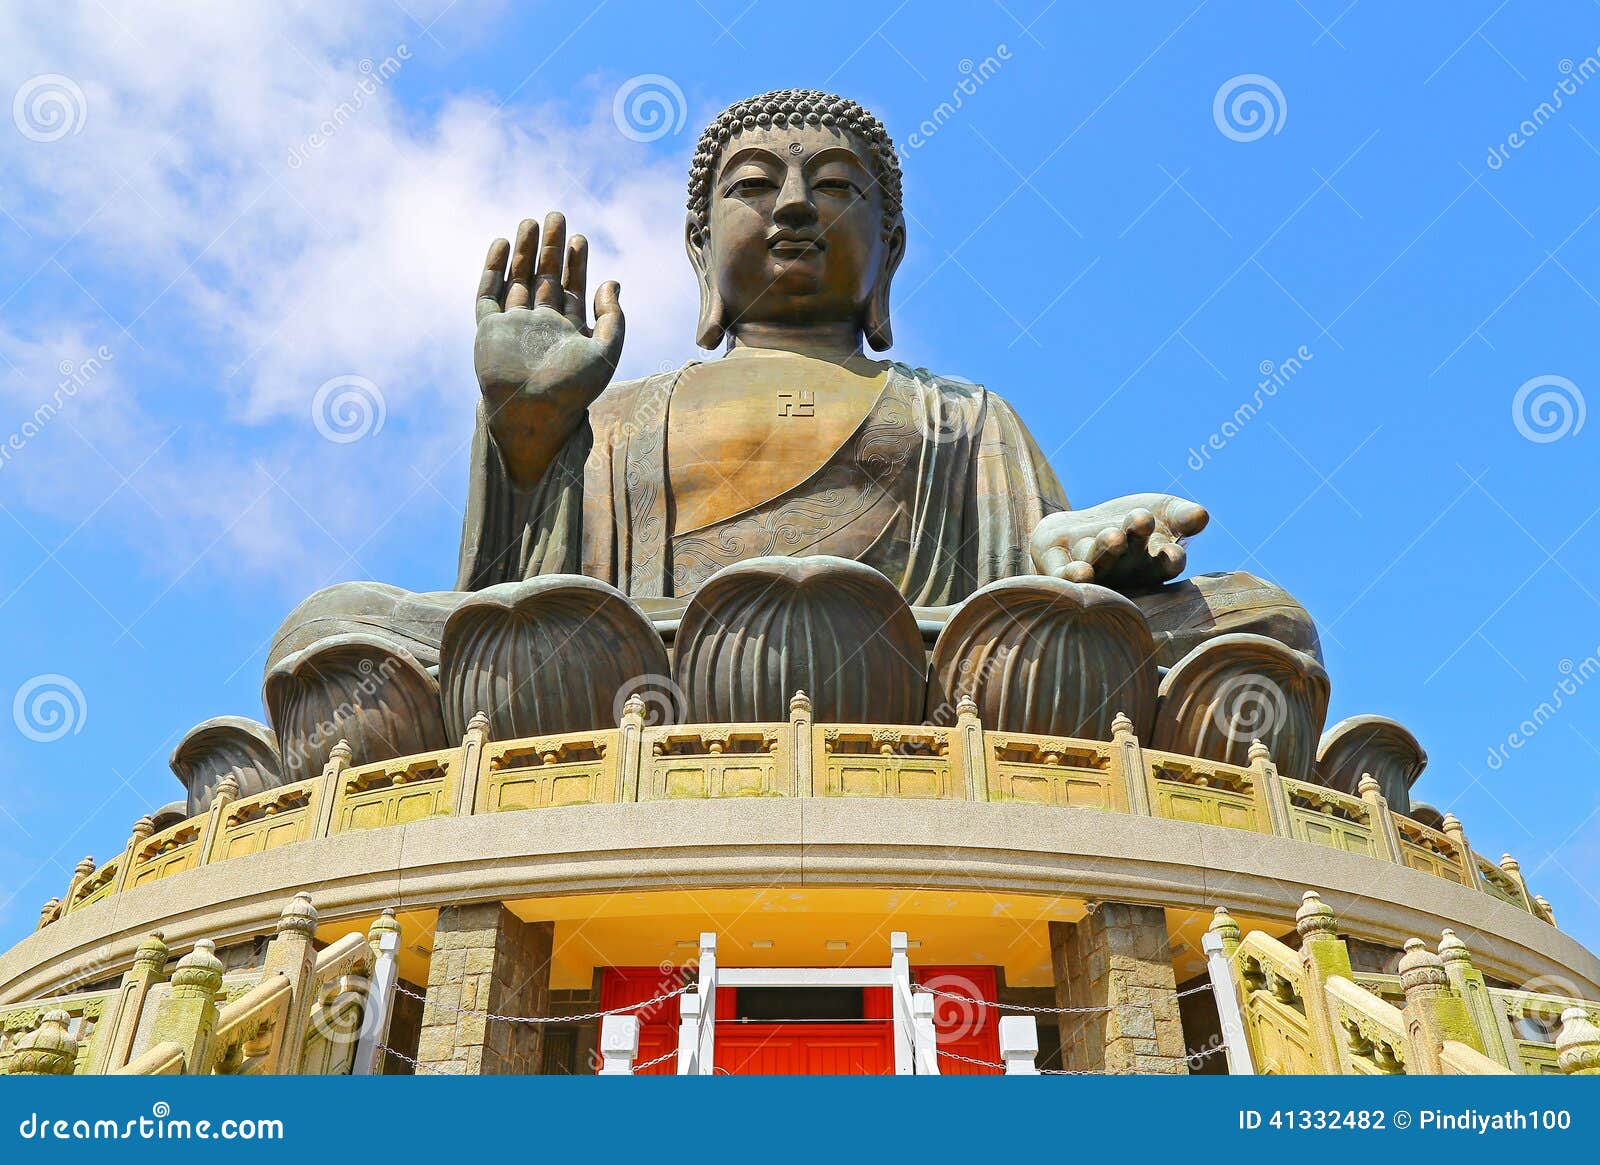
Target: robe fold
<point>940,488</point>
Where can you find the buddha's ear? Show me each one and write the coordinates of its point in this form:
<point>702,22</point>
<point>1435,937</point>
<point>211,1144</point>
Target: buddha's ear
<point>880,333</point>
<point>708,329</point>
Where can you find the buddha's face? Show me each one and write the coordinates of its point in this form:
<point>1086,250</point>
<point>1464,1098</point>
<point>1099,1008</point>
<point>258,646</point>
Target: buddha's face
<point>796,227</point>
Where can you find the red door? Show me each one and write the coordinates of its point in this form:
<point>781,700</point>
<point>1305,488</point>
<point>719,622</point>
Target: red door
<point>966,1029</point>
<point>863,1047</point>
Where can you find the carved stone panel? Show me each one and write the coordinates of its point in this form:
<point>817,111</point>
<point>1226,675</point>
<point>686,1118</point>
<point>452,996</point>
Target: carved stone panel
<point>226,746</point>
<point>1371,744</point>
<point>357,688</point>
<point>1047,656</point>
<point>1235,689</point>
<point>759,631</point>
<point>557,653</point>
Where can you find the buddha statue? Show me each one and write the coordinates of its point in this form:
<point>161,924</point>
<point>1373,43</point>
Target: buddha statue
<point>622,501</point>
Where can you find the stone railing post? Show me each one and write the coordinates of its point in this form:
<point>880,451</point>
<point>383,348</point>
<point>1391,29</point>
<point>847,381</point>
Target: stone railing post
<point>1270,790</point>
<point>1128,757</point>
<point>1545,909</point>
<point>1468,860</point>
<point>925,1035</point>
<point>188,1015</point>
<point>48,1050</point>
<point>900,975</point>
<point>800,724</point>
<point>1433,1012</point>
<point>1019,1044</point>
<point>1578,1044</point>
<point>293,954</point>
<point>1468,984</point>
<point>619,1044</point>
<point>122,1023</point>
<point>630,759</point>
<point>216,823</point>
<point>142,829</point>
<point>1384,833</point>
<point>471,763</point>
<point>329,789</point>
<point>80,874</point>
<point>384,938</point>
<point>975,762</point>
<point>48,913</point>
<point>1220,942</point>
<point>1323,955</point>
<point>1513,870</point>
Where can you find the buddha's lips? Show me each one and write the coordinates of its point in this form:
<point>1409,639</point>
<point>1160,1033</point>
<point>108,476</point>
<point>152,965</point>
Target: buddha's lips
<point>787,245</point>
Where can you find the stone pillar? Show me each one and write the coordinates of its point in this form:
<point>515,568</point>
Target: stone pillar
<point>1128,757</point>
<point>122,1022</point>
<point>1118,955</point>
<point>1434,1013</point>
<point>293,953</point>
<point>485,959</point>
<point>188,1015</point>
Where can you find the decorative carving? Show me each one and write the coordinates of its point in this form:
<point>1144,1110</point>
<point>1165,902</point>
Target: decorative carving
<point>1236,689</point>
<point>357,688</point>
<point>836,629</point>
<point>1377,745</point>
<point>1046,656</point>
<point>557,653</point>
<point>226,746</point>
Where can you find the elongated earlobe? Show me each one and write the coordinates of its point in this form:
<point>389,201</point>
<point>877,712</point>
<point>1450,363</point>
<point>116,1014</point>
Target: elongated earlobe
<point>709,328</point>
<point>877,325</point>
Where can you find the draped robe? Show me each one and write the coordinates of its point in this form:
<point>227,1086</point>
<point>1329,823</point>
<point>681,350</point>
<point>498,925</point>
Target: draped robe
<point>939,487</point>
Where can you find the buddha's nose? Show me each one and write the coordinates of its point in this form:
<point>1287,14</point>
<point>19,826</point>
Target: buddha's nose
<point>794,206</point>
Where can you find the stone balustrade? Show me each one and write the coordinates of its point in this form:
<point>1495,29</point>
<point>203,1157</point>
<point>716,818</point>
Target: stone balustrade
<point>302,1011</point>
<point>636,762</point>
<point>1308,1012</point>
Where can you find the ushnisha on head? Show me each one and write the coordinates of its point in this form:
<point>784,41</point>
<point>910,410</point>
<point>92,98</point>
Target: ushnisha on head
<point>794,217</point>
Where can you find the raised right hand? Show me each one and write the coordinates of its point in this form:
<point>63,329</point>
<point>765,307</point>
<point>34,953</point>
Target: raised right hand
<point>539,364</point>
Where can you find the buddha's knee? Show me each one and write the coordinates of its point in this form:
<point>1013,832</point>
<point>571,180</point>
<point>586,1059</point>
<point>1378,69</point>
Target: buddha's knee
<point>1185,614</point>
<point>405,618</point>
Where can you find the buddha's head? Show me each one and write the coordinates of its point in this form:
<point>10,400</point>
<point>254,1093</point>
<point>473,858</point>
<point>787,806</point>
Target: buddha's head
<point>794,216</point>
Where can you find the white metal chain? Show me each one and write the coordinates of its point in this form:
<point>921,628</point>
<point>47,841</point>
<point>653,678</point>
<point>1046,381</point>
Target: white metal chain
<point>416,1065</point>
<point>629,1009</point>
<point>1056,1010</point>
<point>637,1068</point>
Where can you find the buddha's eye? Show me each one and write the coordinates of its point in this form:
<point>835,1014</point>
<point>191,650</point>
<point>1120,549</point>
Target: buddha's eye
<point>839,187</point>
<point>755,184</point>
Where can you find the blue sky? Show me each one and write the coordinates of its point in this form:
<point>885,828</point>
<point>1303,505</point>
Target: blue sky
<point>1086,238</point>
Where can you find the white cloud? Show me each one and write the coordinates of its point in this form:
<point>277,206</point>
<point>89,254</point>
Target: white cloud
<point>361,258</point>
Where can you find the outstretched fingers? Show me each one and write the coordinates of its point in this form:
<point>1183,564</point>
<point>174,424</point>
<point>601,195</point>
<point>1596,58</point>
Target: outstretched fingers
<point>492,283</point>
